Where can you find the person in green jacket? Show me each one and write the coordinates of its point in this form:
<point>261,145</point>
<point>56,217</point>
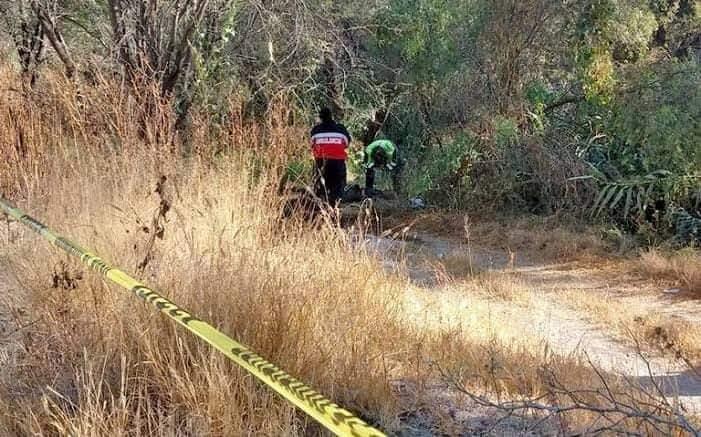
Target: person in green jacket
<point>383,155</point>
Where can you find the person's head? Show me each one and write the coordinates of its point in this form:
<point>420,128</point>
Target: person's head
<point>380,116</point>
<point>325,115</point>
<point>379,156</point>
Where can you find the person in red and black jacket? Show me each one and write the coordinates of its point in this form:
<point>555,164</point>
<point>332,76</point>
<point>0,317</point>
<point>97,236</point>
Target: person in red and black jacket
<point>330,141</point>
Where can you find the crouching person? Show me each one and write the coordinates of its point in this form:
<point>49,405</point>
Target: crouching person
<point>382,155</point>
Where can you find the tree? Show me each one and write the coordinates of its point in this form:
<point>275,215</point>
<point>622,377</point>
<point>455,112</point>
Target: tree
<point>27,35</point>
<point>29,23</point>
<point>154,39</point>
<point>48,15</point>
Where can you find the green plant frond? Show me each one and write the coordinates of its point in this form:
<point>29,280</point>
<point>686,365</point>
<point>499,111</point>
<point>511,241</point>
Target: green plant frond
<point>629,202</point>
<point>618,197</point>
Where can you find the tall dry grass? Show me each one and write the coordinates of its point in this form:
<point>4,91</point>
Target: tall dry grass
<point>95,361</point>
<point>682,267</point>
<point>88,164</point>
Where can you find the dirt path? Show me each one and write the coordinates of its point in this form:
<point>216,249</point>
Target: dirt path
<point>564,307</point>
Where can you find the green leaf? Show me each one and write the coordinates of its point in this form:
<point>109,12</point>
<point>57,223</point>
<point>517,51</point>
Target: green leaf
<point>599,199</point>
<point>596,173</point>
<point>581,178</point>
<point>609,195</point>
<point>618,198</point>
<point>629,202</point>
<point>648,192</point>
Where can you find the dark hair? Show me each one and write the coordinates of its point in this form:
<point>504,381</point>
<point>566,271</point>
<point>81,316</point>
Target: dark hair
<point>325,115</point>
<point>380,115</point>
<point>380,157</point>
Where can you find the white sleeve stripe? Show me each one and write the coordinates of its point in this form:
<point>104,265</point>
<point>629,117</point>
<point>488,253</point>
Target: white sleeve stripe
<point>330,135</point>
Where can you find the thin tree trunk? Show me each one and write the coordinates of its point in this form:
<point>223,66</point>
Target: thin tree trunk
<point>54,35</point>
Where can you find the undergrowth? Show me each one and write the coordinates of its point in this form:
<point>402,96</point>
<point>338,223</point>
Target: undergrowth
<point>195,219</point>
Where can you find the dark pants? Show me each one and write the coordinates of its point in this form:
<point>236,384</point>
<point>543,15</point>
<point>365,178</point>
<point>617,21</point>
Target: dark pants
<point>330,179</point>
<point>395,174</point>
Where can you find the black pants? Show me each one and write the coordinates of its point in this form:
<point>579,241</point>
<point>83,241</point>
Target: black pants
<point>395,174</point>
<point>330,179</point>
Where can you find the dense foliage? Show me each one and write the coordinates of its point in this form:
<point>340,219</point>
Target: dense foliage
<point>540,105</point>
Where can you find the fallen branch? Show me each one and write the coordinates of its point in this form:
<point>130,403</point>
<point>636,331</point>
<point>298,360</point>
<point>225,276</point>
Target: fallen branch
<point>614,408</point>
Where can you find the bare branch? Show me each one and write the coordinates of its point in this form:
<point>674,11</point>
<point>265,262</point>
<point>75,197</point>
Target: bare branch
<point>614,407</point>
<point>52,32</point>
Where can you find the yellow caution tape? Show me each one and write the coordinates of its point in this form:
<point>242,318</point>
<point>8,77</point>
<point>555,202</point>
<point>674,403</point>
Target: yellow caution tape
<point>338,420</point>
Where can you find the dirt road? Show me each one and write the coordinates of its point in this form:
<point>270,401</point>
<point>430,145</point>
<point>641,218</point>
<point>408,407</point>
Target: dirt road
<point>568,308</point>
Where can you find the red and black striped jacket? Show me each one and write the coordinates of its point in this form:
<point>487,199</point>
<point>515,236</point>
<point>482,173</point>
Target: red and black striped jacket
<point>330,140</point>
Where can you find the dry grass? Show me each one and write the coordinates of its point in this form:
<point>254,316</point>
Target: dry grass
<point>545,239</point>
<point>627,299</point>
<point>94,361</point>
<point>101,363</point>
<point>634,323</point>
<point>541,238</point>
<point>498,286</point>
<point>682,268</point>
<point>456,265</point>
